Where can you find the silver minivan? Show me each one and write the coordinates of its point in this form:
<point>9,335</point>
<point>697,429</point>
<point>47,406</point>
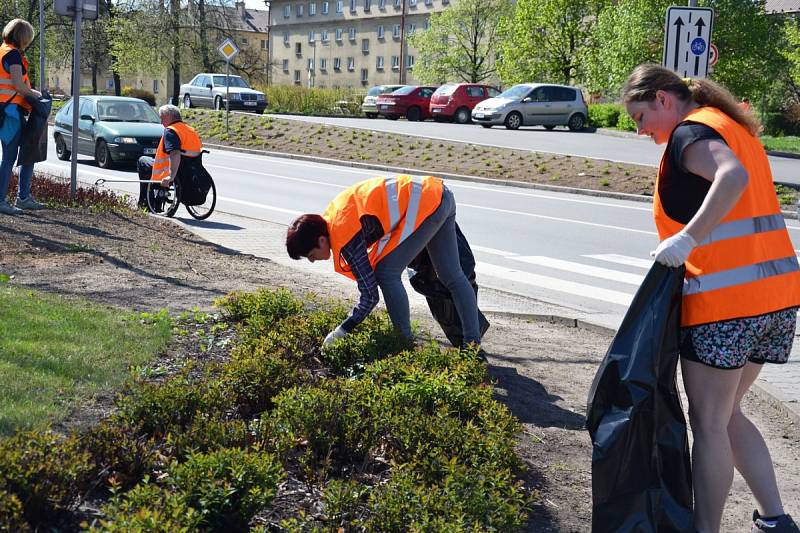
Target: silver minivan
<point>533,104</point>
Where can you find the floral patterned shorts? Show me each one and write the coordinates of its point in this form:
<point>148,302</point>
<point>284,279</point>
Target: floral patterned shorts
<point>731,343</point>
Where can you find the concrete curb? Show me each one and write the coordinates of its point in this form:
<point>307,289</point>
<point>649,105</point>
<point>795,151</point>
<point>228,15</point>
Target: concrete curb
<point>762,390</point>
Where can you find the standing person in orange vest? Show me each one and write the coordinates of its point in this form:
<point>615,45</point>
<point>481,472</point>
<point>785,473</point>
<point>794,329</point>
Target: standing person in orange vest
<point>373,230</point>
<point>179,140</point>
<point>15,87</point>
<point>716,212</point>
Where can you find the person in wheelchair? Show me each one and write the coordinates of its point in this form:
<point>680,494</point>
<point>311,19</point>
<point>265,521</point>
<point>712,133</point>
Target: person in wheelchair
<point>178,150</point>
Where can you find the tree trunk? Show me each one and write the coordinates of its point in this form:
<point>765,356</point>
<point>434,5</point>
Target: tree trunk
<point>202,24</point>
<point>175,7</point>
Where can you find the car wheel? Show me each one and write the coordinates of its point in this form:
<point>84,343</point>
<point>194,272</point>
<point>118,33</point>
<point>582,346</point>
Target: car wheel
<point>513,120</point>
<point>549,127</point>
<point>462,116</point>
<point>218,103</point>
<point>576,122</point>
<point>187,101</point>
<point>102,155</point>
<point>487,126</point>
<point>62,152</point>
<point>413,114</point>
<point>372,115</point>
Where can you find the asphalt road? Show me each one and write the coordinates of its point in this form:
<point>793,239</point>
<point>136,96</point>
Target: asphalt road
<point>581,253</point>
<point>622,147</point>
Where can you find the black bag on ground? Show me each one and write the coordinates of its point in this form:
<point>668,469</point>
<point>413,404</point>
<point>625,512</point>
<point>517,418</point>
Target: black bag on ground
<point>195,181</point>
<point>443,309</point>
<point>33,141</point>
<point>641,474</point>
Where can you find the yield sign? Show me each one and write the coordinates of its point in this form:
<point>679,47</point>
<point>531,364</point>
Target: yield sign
<point>228,49</point>
<point>687,39</point>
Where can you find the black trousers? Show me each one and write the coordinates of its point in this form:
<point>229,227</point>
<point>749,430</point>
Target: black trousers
<point>144,166</point>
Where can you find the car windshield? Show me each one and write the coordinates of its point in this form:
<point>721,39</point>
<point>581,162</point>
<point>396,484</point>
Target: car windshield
<point>235,81</point>
<point>375,91</point>
<point>445,90</point>
<point>120,111</point>
<point>408,89</point>
<point>517,91</point>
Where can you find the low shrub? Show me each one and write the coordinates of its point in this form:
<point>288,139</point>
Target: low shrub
<point>374,338</point>
<point>148,508</point>
<point>207,434</point>
<point>266,305</point>
<point>143,94</point>
<point>47,473</point>
<point>119,457</point>
<point>344,503</point>
<point>309,100</point>
<point>252,381</point>
<point>55,192</point>
<point>604,115</point>
<point>11,513</point>
<point>625,122</point>
<point>227,486</point>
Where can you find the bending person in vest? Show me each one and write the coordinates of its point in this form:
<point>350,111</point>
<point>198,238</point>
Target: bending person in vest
<point>716,212</point>
<point>15,87</point>
<point>179,140</point>
<point>373,230</point>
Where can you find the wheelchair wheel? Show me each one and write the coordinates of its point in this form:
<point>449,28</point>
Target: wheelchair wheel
<point>163,202</point>
<point>204,210</point>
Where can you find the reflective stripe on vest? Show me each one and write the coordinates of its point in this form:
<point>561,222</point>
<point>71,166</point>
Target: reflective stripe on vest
<point>401,204</point>
<point>7,88</point>
<point>191,146</point>
<point>747,266</point>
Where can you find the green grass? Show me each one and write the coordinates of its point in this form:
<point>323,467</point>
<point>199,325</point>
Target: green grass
<point>56,353</point>
<point>789,143</point>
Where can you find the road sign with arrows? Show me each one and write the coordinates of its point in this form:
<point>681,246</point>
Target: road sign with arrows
<point>687,40</point>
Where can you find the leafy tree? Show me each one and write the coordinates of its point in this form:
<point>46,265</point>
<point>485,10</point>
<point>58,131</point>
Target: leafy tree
<point>791,54</point>
<point>460,42</point>
<point>547,39</point>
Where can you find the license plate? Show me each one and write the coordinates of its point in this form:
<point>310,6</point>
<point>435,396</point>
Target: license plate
<point>149,151</point>
<point>249,103</point>
<point>477,115</point>
<point>437,110</point>
<point>384,107</point>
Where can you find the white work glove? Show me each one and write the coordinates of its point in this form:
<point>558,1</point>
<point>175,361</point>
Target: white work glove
<point>338,333</point>
<point>673,251</point>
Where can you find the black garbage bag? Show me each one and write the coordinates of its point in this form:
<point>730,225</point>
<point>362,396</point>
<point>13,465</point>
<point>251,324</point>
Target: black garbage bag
<point>641,473</point>
<point>443,309</point>
<point>33,141</point>
<point>195,181</point>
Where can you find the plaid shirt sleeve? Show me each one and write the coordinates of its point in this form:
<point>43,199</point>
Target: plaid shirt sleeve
<point>355,253</point>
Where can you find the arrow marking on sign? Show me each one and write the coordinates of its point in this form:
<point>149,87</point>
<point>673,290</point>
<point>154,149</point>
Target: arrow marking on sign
<point>678,26</point>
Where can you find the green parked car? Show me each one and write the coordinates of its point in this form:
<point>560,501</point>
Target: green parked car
<point>111,129</point>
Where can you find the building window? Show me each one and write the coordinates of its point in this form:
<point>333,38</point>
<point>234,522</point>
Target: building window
<point>311,36</point>
<point>287,11</point>
<point>353,6</point>
<point>286,37</point>
<point>298,48</point>
<point>155,86</point>
<point>379,63</point>
<point>365,45</point>
<point>396,31</point>
<point>367,5</point>
<point>395,62</point>
<point>338,35</point>
<point>324,8</point>
<point>381,32</point>
<point>323,35</point>
<point>351,64</point>
<point>340,6</point>
<point>312,9</point>
<point>410,29</point>
<point>297,77</point>
<point>409,62</point>
<point>263,44</point>
<point>412,3</point>
<point>299,10</point>
<point>364,75</point>
<point>286,65</point>
<point>323,64</point>
<point>310,64</point>
<point>398,4</point>
<point>244,41</point>
<point>427,24</point>
<point>352,34</point>
<point>428,2</point>
<point>381,4</point>
<point>337,63</point>
<point>445,2</point>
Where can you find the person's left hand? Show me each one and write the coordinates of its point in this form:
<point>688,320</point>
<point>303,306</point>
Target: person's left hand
<point>166,182</point>
<point>673,251</point>
<point>334,335</point>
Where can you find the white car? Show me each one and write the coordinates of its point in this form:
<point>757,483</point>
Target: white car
<point>534,104</point>
<point>369,106</point>
<point>211,90</point>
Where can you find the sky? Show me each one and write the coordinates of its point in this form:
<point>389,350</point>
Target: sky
<point>255,4</point>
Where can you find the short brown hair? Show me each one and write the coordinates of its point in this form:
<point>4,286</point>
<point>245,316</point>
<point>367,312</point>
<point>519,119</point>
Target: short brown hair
<point>303,235</point>
<point>18,33</point>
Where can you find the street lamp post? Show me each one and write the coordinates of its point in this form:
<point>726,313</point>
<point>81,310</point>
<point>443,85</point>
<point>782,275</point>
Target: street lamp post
<point>402,79</point>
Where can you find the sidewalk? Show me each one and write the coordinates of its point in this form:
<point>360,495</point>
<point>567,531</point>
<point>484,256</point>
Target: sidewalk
<point>778,385</point>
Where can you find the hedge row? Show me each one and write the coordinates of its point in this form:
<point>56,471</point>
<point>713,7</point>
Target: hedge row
<point>389,438</point>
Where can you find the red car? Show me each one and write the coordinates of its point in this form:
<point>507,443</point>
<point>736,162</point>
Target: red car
<point>455,101</point>
<point>411,101</point>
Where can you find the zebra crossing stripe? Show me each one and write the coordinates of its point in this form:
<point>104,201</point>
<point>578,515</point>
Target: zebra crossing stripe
<point>582,269</point>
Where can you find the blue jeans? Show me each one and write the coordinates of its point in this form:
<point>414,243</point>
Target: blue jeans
<point>10,151</point>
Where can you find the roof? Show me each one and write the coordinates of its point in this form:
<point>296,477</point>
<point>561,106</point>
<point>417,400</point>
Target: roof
<point>783,6</point>
<point>242,18</point>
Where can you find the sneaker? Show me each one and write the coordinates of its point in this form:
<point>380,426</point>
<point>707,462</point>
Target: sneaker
<point>28,203</point>
<point>779,524</point>
<point>8,209</point>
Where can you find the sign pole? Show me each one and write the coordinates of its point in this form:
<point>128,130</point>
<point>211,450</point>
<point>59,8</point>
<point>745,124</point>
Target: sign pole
<point>76,94</point>
<point>227,95</point>
<point>41,46</point>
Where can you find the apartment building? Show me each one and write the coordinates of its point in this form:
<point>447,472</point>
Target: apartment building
<point>344,43</point>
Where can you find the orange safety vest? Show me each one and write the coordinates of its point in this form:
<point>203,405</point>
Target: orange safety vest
<point>747,266</point>
<point>6,83</point>
<point>401,204</point>
<point>191,146</point>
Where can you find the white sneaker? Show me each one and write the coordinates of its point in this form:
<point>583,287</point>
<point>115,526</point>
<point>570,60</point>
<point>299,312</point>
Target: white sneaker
<point>8,209</point>
<point>28,203</point>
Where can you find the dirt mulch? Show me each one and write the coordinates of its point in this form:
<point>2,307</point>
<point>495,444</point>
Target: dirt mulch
<point>543,371</point>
